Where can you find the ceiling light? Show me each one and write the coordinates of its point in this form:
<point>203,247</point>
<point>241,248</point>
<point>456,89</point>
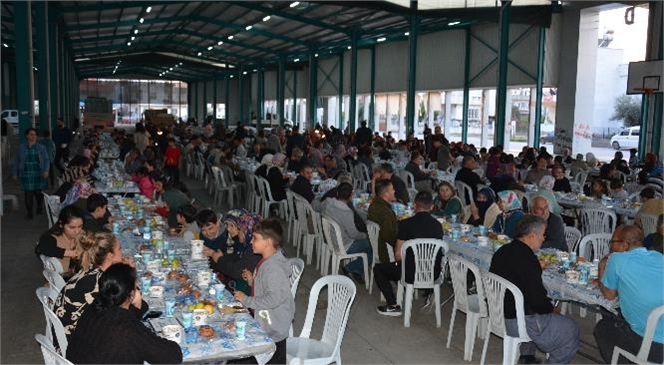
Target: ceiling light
<point>232,76</point>
<point>5,45</point>
<point>294,4</point>
<point>132,38</point>
<point>248,27</point>
<point>176,65</point>
<point>453,23</point>
<point>316,55</point>
<point>180,63</point>
<point>407,34</point>
<point>230,37</point>
<point>141,20</point>
<point>220,43</point>
<point>170,69</point>
<point>349,47</point>
<point>210,48</point>
<point>244,73</point>
<point>135,31</point>
<point>129,43</point>
<point>255,70</point>
<point>35,68</point>
<point>381,39</point>
<point>296,60</point>
<point>76,60</point>
<point>266,18</point>
<point>149,9</point>
<point>199,53</point>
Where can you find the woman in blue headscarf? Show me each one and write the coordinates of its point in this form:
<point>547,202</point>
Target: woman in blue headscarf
<point>512,212</point>
<point>484,210</point>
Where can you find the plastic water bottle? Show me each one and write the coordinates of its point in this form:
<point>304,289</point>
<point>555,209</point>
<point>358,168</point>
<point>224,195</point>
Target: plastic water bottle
<point>572,257</point>
<point>594,269</point>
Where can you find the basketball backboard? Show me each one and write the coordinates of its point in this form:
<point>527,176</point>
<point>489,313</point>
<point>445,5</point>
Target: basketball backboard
<point>644,77</point>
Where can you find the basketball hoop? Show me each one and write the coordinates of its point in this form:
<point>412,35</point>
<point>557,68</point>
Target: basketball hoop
<point>645,90</point>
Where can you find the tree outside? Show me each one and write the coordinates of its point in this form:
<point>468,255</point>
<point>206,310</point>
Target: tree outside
<point>628,110</point>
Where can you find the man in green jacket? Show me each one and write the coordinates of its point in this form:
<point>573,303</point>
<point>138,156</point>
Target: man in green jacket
<point>380,212</point>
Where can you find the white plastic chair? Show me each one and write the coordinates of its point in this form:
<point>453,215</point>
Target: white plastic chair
<point>424,251</point>
<point>52,263</point>
<point>572,237</point>
<point>576,187</point>
<point>54,279</point>
<point>268,200</point>
<point>291,217</point>
<point>52,205</point>
<point>642,356</point>
<point>340,296</point>
<point>648,223</point>
<point>51,356</point>
<point>594,246</point>
<point>332,233</point>
<point>297,266</point>
<point>464,192</point>
<point>216,185</point>
<point>474,306</point>
<point>581,178</point>
<point>228,184</point>
<point>373,231</point>
<point>598,220</point>
<point>311,235</point>
<point>495,288</point>
<point>408,178</point>
<point>47,297</point>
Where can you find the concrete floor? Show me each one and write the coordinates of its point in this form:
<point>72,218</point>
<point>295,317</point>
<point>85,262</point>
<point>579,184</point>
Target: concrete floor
<point>369,339</point>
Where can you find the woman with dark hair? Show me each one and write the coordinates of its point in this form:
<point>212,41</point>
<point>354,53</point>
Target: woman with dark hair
<point>78,168</point>
<point>446,203</point>
<point>31,166</point>
<point>562,182</point>
<point>172,197</point>
<point>110,330</point>
<point>144,181</point>
<point>62,240</point>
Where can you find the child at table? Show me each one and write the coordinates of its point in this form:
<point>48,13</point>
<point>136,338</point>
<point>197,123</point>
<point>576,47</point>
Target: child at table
<point>617,191</point>
<point>271,299</point>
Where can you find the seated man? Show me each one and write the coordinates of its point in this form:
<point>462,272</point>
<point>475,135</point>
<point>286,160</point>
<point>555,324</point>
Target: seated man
<point>302,184</point>
<point>651,204</point>
<point>421,225</point>
<point>535,175</point>
<point>422,180</point>
<point>354,241</point>
<point>634,275</point>
<point>331,169</point>
<point>380,212</point>
<point>468,176</point>
<point>549,331</point>
<point>97,217</point>
<point>386,172</point>
<point>555,227</point>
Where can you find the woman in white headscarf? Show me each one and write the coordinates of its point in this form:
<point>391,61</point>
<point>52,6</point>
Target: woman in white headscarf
<point>591,160</point>
<point>275,177</point>
<point>266,163</point>
<point>546,190</point>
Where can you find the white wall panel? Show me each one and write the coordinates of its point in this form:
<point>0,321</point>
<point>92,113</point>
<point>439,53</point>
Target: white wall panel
<point>302,84</point>
<point>552,51</point>
<point>234,102</point>
<point>270,85</point>
<point>440,62</point>
<point>392,67</point>
<point>328,66</point>
<point>363,71</point>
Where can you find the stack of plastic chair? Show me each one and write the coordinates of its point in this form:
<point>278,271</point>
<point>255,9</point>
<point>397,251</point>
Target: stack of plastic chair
<point>47,297</point>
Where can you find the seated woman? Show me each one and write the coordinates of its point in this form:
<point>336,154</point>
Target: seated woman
<point>266,163</point>
<point>110,331</point>
<point>561,182</point>
<point>235,255</point>
<point>545,189</point>
<point>172,197</point>
<point>62,240</point>
<point>78,194</point>
<point>100,250</point>
<point>484,210</point>
<point>144,181</point>
<point>446,203</point>
<point>510,205</point>
<point>78,168</point>
<point>276,178</point>
<point>597,189</point>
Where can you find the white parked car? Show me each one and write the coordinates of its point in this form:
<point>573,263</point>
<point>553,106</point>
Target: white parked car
<point>11,115</point>
<point>626,139</point>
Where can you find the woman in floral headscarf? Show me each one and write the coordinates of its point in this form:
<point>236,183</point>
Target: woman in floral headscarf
<point>236,255</point>
<point>512,212</point>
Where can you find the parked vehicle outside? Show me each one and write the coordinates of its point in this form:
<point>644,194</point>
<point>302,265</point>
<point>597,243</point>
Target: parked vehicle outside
<point>626,139</point>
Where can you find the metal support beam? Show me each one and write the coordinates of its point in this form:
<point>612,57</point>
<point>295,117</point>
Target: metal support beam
<point>281,89</point>
<point>190,100</point>
<point>466,91</point>
<point>541,46</point>
<point>501,89</point>
<point>228,100</point>
<point>313,87</point>
<point>214,101</point>
<point>352,108</point>
<point>240,91</point>
<point>341,91</point>
<point>412,69</point>
<point>260,97</point>
<point>294,111</point>
<point>43,67</point>
<point>24,71</point>
<point>372,91</point>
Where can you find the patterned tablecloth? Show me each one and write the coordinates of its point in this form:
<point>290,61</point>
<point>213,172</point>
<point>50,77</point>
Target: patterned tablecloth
<point>572,201</point>
<point>126,188</point>
<point>554,282</point>
<point>223,345</point>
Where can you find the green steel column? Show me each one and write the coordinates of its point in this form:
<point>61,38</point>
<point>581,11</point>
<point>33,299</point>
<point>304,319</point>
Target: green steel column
<point>353,82</point>
<point>341,91</point>
<point>190,103</point>
<point>61,76</point>
<point>294,115</point>
<point>313,88</point>
<point>240,91</point>
<point>205,100</point>
<point>43,67</point>
<point>541,46</point>
<point>260,97</point>
<point>657,124</point>
<point>228,100</point>
<point>24,71</point>
<point>214,101</point>
<point>412,69</point>
<point>501,90</point>
<point>643,140</point>
<point>372,90</point>
<point>65,87</point>
<point>281,89</point>
<point>466,90</point>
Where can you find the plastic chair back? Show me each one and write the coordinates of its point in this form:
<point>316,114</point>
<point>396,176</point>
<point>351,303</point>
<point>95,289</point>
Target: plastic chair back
<point>408,178</point>
<point>572,237</point>
<point>332,233</point>
<point>51,357</point>
<point>642,356</point>
<point>595,246</point>
<point>581,177</point>
<point>648,223</point>
<point>464,192</point>
<point>495,288</point>
<point>52,204</point>
<point>576,187</point>
<point>633,187</point>
<point>54,279</point>
<point>459,268</point>
<point>297,265</point>
<point>47,297</point>
<point>373,231</point>
<point>424,251</point>
<point>52,263</point>
<point>598,220</point>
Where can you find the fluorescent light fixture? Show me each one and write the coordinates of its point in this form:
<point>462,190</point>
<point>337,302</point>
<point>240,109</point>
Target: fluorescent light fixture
<point>248,27</point>
<point>453,23</point>
<point>170,69</point>
<point>149,9</point>
<point>294,4</point>
<point>296,60</point>
<point>255,70</point>
<point>230,37</point>
<point>129,43</point>
<point>244,73</point>
<point>135,31</point>
<point>220,43</point>
<point>209,48</point>
<point>176,65</point>
<point>141,20</point>
<point>5,45</point>
<point>266,18</point>
<point>76,60</point>
<point>407,34</point>
<point>199,53</point>
<point>132,38</point>
<point>232,76</point>
<point>316,55</point>
<point>35,68</point>
<point>381,39</point>
<point>349,47</point>
<point>180,63</point>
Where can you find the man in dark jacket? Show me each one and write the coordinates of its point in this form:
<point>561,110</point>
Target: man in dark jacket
<point>363,135</point>
<point>62,137</point>
<point>302,184</point>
